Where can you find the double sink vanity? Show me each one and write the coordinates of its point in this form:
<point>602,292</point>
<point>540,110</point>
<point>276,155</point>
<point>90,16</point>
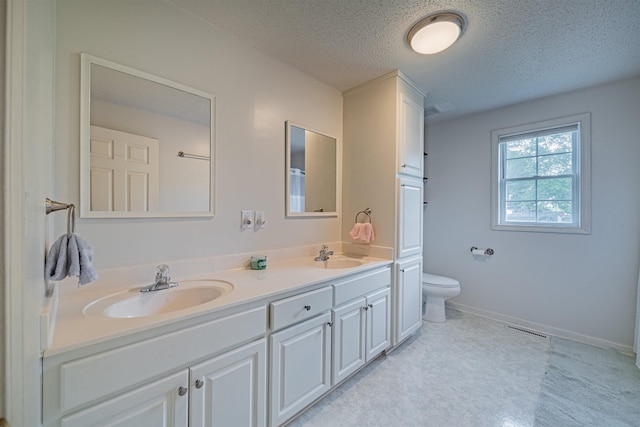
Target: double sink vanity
<point>232,346</point>
<point>238,347</point>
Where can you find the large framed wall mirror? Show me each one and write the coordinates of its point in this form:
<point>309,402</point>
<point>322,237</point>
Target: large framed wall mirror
<point>311,172</point>
<point>147,144</point>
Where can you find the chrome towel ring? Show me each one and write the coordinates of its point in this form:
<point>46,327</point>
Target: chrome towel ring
<point>366,212</point>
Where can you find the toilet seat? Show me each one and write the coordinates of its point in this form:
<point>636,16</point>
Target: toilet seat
<point>439,281</point>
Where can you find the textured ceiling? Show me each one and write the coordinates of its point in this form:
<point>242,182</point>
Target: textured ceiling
<point>511,50</point>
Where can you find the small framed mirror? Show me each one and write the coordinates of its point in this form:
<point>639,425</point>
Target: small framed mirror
<point>147,144</point>
<point>311,172</point>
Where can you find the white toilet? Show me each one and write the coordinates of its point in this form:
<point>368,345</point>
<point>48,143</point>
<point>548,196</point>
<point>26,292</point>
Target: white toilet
<point>436,289</point>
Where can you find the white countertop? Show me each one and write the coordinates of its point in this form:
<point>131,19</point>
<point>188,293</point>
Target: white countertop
<point>74,329</point>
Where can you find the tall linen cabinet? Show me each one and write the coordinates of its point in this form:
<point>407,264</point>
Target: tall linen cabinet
<point>383,170</point>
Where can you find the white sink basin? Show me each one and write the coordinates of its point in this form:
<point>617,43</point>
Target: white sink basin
<point>341,263</point>
<point>133,303</point>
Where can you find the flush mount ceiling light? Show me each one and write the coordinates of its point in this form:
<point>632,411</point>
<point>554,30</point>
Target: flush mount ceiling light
<point>435,33</point>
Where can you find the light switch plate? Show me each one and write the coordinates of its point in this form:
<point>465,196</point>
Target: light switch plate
<point>260,219</point>
<point>246,219</point>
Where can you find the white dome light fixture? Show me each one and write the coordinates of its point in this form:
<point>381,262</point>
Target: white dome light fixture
<point>435,33</point>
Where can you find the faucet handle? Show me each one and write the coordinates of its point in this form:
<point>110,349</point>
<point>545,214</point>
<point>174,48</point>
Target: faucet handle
<point>162,271</point>
<point>324,248</point>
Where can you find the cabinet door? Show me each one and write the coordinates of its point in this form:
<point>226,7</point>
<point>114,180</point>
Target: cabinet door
<point>162,403</point>
<point>300,366</point>
<point>378,323</point>
<point>349,339</point>
<point>410,136</point>
<point>410,217</point>
<point>230,390</point>
<point>408,292</point>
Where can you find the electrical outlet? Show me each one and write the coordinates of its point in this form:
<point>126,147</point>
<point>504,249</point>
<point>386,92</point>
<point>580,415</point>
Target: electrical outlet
<point>246,219</point>
<point>260,219</point>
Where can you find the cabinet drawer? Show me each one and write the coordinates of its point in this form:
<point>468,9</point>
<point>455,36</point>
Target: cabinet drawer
<point>75,383</point>
<point>300,307</point>
<point>361,284</point>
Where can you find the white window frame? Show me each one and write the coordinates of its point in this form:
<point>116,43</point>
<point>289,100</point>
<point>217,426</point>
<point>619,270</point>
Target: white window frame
<point>582,169</point>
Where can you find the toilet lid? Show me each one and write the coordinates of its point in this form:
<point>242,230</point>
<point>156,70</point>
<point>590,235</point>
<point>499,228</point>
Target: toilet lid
<point>441,281</point>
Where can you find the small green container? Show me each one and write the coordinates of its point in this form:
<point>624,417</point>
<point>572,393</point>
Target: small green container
<point>259,262</point>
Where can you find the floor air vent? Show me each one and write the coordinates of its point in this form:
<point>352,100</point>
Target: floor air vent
<point>528,331</point>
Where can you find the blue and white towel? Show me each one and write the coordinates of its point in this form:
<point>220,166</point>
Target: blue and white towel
<point>70,255</point>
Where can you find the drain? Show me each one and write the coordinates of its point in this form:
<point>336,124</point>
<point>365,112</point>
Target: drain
<point>527,331</point>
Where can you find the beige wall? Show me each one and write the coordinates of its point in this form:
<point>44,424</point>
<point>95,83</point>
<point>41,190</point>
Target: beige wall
<point>255,95</point>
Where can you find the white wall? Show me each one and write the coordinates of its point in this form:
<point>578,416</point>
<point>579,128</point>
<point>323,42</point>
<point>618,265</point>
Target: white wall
<point>573,285</point>
<point>254,96</point>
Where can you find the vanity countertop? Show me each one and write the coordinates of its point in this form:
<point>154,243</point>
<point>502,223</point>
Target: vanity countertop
<point>74,329</point>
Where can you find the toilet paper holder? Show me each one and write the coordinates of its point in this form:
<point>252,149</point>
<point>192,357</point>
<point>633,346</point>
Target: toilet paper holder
<point>476,251</point>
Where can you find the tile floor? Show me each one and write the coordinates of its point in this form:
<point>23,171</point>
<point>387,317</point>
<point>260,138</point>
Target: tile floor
<point>473,371</point>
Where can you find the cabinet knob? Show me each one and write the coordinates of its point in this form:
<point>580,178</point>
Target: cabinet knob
<point>307,307</point>
<point>370,305</point>
<point>330,324</point>
<point>366,307</point>
<point>199,383</point>
<point>182,391</point>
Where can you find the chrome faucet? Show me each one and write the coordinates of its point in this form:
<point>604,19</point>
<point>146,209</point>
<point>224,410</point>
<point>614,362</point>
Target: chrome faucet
<point>162,280</point>
<point>324,254</point>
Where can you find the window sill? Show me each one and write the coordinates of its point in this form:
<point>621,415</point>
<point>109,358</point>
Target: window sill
<point>541,229</point>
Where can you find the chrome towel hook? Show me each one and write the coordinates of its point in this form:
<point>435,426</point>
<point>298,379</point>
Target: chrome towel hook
<point>53,206</point>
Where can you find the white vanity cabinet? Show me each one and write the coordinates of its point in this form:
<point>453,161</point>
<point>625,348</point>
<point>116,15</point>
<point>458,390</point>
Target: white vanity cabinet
<point>162,403</point>
<point>229,390</point>
<point>384,148</point>
<point>410,196</point>
<point>152,382</point>
<point>410,134</point>
<point>408,297</point>
<point>300,353</point>
<point>361,321</point>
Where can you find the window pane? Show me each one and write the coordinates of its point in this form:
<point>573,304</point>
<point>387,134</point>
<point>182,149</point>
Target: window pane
<point>553,212</point>
<point>520,211</point>
<point>558,143</point>
<point>555,189</point>
<point>557,164</point>
<point>520,148</point>
<point>520,168</point>
<point>521,190</point>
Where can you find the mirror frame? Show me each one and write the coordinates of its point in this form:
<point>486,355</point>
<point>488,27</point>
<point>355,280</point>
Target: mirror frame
<point>86,61</point>
<point>338,194</point>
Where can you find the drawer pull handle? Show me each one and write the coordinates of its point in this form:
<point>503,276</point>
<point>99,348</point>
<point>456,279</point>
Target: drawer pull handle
<point>307,307</point>
<point>199,383</point>
<point>330,324</point>
<point>182,391</point>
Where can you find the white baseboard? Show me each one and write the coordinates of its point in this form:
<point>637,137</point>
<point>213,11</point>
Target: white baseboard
<point>546,329</point>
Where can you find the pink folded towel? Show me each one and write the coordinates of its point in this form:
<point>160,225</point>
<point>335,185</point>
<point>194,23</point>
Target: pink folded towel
<point>362,232</point>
